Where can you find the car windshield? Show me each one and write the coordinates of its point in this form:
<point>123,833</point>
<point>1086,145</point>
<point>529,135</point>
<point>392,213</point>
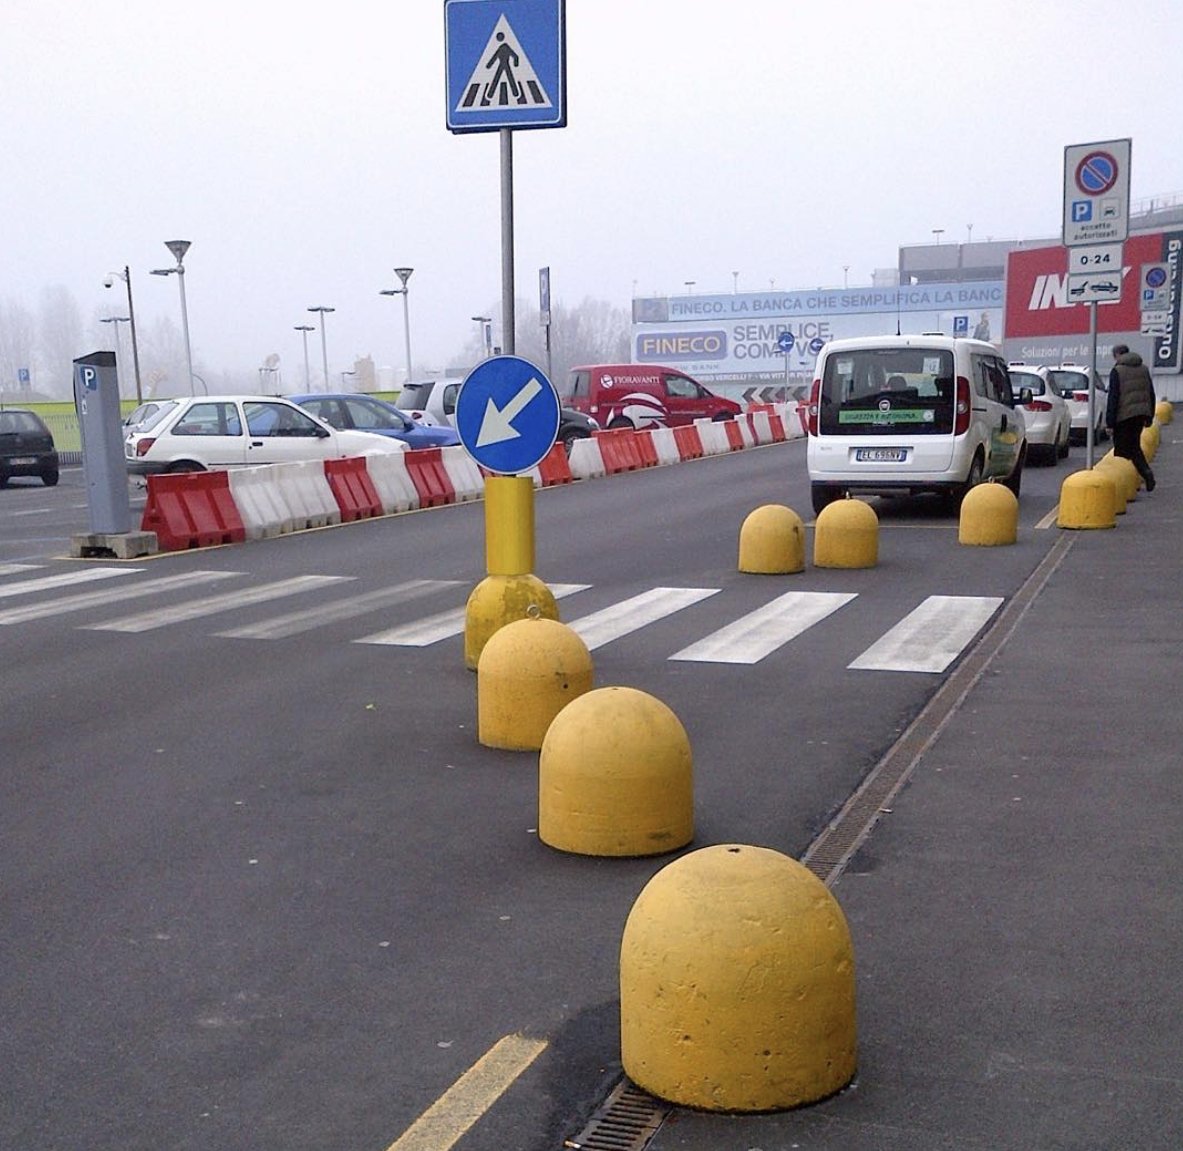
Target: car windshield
<point>870,391</point>
<point>1069,381</point>
<point>1021,380</point>
<point>12,422</point>
<point>414,396</point>
<point>148,415</point>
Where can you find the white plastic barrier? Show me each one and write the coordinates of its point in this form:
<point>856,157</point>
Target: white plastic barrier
<point>306,489</point>
<point>392,482</point>
<point>713,436</point>
<point>463,471</point>
<point>261,506</point>
<point>745,431</point>
<point>791,417</point>
<point>761,427</point>
<point>665,445</point>
<point>586,459</point>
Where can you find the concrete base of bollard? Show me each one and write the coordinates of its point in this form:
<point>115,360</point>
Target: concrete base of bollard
<point>772,541</point>
<point>737,988</point>
<point>615,777</point>
<point>989,517</point>
<point>846,535</point>
<point>1088,499</point>
<point>498,600</point>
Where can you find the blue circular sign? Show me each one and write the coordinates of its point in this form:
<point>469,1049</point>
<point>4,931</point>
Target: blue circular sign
<point>1156,277</point>
<point>507,414</point>
<point>816,344</point>
<point>785,341</point>
<point>1096,173</point>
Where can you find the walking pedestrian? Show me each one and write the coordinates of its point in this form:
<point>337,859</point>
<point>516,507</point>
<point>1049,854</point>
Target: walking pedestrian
<point>1130,408</point>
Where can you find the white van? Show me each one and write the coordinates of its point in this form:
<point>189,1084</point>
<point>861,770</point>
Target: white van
<point>906,414</point>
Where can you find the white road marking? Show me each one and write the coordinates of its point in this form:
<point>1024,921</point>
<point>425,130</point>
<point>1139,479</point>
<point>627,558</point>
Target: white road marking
<point>446,624</point>
<point>210,605</point>
<point>620,619</point>
<point>293,623</point>
<point>63,579</point>
<point>107,595</point>
<point>762,631</point>
<point>931,637</point>
<point>15,569</point>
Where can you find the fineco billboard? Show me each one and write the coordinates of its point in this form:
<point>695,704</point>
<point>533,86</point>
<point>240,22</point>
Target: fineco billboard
<point>1044,324</point>
<point>742,336</point>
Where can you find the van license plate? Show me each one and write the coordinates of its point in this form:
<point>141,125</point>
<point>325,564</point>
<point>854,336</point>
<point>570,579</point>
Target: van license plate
<point>881,455</point>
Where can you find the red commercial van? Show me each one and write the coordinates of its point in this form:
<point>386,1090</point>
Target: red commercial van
<point>642,396</point>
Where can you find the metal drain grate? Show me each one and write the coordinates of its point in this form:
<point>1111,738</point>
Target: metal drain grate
<point>625,1121</point>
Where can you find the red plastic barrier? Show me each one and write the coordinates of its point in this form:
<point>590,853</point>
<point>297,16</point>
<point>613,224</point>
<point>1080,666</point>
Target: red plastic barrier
<point>554,468</point>
<point>618,449</point>
<point>191,510</point>
<point>352,488</point>
<point>778,428</point>
<point>646,449</point>
<point>426,468</point>
<point>734,435</point>
<point>689,442</point>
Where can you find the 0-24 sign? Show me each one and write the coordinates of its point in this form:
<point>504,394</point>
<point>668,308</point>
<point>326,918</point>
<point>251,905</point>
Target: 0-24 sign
<point>1097,258</point>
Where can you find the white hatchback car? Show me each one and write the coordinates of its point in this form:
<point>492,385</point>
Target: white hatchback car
<point>909,414</point>
<point>1049,422</point>
<point>204,433</point>
<point>1073,382</point>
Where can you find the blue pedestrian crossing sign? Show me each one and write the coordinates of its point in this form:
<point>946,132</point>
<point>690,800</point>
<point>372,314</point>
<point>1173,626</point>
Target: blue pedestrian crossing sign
<point>506,64</point>
<point>507,414</point>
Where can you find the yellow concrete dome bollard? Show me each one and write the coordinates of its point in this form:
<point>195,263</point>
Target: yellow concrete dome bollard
<point>615,777</point>
<point>1150,439</point>
<point>1088,499</point>
<point>1164,411</point>
<point>989,516</point>
<point>498,600</point>
<point>528,672</point>
<point>1125,476</point>
<point>772,541</point>
<point>737,984</point>
<point>846,535</point>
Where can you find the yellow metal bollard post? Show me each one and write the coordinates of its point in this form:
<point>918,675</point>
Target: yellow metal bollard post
<point>737,988</point>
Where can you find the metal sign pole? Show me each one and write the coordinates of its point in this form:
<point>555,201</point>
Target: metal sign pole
<point>1089,434</point>
<point>507,302</point>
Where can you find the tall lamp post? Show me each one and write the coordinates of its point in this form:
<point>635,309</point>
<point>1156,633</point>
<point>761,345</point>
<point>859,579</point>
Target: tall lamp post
<point>116,320</point>
<point>304,329</point>
<point>404,274</point>
<point>485,331</point>
<point>178,249</point>
<point>324,345</point>
<point>125,276</point>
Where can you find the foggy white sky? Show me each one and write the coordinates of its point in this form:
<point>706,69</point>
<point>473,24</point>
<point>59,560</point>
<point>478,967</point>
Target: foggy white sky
<point>302,149</point>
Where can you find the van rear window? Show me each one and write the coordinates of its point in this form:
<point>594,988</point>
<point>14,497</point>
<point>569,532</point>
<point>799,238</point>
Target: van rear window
<point>893,391</point>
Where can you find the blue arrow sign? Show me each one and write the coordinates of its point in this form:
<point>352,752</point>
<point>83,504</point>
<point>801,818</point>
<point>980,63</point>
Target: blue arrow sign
<point>785,342</point>
<point>506,64</point>
<point>507,414</point>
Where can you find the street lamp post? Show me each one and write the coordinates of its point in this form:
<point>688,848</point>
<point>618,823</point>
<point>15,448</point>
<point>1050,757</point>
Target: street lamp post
<point>324,346</point>
<point>690,287</point>
<point>116,320</point>
<point>938,232</point>
<point>485,331</point>
<point>404,274</point>
<point>125,276</point>
<point>178,249</point>
<point>304,329</point>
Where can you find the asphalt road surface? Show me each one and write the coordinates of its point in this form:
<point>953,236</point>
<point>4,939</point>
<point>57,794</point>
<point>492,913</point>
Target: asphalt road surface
<point>264,888</point>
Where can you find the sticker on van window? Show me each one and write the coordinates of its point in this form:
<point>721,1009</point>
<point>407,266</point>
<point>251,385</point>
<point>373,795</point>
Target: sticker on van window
<point>888,416</point>
<point>932,365</point>
<point>845,367</point>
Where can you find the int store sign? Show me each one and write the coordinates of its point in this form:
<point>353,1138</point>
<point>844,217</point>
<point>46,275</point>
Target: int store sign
<point>738,336</point>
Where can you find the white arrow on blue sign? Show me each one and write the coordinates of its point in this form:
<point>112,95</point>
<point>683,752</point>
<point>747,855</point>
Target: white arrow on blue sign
<point>507,414</point>
<point>785,341</point>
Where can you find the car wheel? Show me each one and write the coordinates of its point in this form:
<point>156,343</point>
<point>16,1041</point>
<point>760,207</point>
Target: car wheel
<point>972,479</point>
<point>823,495</point>
<point>569,438</point>
<point>179,466</point>
<point>1062,452</point>
<point>49,477</point>
<point>1015,480</point>
<point>621,422</point>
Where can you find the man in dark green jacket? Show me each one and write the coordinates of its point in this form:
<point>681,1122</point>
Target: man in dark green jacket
<point>1130,409</point>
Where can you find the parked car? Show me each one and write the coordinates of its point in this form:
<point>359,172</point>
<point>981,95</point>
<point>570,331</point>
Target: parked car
<point>911,414</point>
<point>345,410</point>
<point>643,396</point>
<point>434,401</point>
<point>1049,422</point>
<point>26,447</point>
<point>211,432</point>
<point>1073,383</point>
<point>146,412</point>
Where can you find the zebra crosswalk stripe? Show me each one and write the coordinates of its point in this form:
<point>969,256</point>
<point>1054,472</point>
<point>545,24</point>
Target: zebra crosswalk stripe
<point>930,637</point>
<point>211,605</point>
<point>750,638</point>
<point>293,623</point>
<point>16,569</point>
<point>62,579</point>
<point>104,596</point>
<point>446,624</point>
<point>611,623</point>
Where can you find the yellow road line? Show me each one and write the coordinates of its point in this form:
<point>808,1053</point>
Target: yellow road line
<point>454,1112</point>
